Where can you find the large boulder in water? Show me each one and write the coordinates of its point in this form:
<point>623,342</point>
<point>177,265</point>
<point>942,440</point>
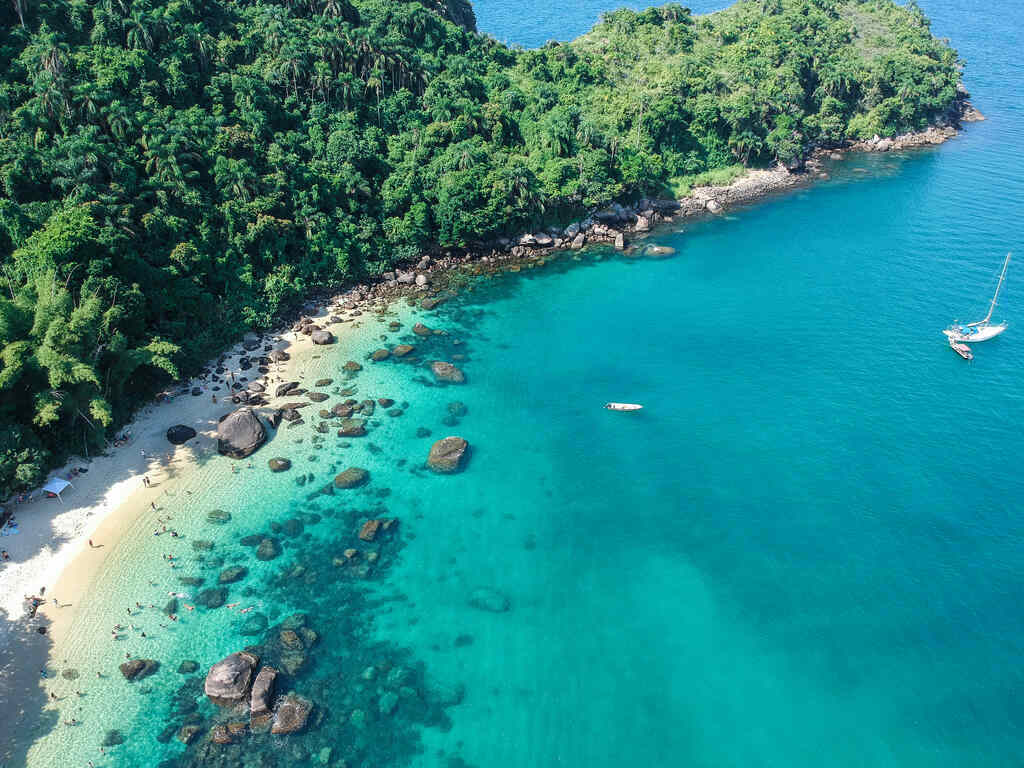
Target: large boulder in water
<point>263,691</point>
<point>180,434</point>
<point>448,454</point>
<point>352,477</point>
<point>136,669</point>
<point>229,680</point>
<point>240,433</point>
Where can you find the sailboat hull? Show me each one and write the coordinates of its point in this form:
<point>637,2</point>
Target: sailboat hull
<point>977,333</point>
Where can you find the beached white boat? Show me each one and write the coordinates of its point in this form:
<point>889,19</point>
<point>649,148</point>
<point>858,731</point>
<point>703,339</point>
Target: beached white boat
<point>623,406</point>
<point>983,330</point>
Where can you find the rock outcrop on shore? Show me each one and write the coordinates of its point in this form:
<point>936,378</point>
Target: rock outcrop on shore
<point>240,433</point>
<point>180,434</point>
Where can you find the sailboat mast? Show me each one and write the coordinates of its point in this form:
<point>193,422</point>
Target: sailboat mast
<point>1002,276</point>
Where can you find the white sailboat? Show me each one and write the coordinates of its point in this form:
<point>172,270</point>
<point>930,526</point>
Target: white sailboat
<point>983,330</point>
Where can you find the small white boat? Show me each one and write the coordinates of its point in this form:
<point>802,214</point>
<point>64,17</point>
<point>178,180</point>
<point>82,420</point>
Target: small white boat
<point>983,330</point>
<point>961,349</point>
<point>623,406</point>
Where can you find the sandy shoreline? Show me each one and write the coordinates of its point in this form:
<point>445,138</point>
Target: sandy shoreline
<point>51,552</point>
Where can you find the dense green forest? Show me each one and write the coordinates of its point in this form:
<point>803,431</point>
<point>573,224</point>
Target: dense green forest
<point>175,171</point>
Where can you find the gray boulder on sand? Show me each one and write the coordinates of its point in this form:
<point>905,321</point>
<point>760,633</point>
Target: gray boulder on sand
<point>282,389</point>
<point>322,337</point>
<point>240,433</point>
<point>180,434</point>
<point>448,454</point>
<point>229,680</point>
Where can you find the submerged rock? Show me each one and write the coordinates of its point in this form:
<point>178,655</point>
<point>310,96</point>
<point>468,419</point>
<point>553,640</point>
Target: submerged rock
<point>351,478</point>
<point>369,530</point>
<point>352,428</point>
<point>448,454</point>
<point>279,464</point>
<point>388,703</point>
<point>214,597</point>
<point>253,625</point>
<point>489,599</point>
<point>180,434</point>
<point>402,350</point>
<point>229,680</point>
<point>447,372</point>
<point>112,739</point>
<point>659,251</point>
<point>268,549</point>
<point>233,574</point>
<point>380,354</point>
<point>187,667</point>
<point>136,669</point>
<point>291,715</point>
<point>352,366</point>
<point>218,517</point>
<point>240,433</point>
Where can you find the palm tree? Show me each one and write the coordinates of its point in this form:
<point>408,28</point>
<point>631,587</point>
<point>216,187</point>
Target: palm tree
<point>138,34</point>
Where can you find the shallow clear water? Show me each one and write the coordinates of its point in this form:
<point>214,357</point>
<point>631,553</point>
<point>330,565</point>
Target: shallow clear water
<point>806,550</point>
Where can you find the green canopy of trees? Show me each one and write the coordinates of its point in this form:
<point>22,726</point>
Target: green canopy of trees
<point>173,171</point>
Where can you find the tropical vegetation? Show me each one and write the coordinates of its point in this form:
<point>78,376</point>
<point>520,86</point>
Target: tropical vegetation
<point>175,171</point>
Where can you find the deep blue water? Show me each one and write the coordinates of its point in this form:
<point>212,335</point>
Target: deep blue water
<point>805,551</point>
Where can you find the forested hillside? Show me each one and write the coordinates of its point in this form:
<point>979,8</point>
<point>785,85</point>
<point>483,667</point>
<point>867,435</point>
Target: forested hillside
<point>173,171</point>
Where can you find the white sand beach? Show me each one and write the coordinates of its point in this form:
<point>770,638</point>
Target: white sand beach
<point>51,555</point>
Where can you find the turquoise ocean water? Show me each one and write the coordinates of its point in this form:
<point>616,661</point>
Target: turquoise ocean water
<point>805,551</point>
